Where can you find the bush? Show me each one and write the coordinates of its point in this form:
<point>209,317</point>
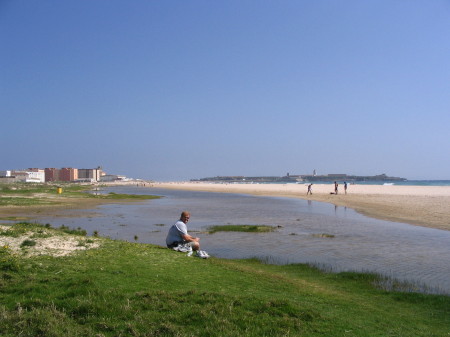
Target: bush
<point>77,231</point>
<point>7,261</point>
<point>28,243</point>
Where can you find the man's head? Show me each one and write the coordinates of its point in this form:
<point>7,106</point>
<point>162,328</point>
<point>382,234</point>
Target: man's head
<point>185,215</point>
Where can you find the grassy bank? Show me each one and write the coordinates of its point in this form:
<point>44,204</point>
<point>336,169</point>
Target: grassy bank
<point>131,289</point>
<point>27,194</point>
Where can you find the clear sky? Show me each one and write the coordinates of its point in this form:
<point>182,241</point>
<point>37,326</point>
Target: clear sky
<point>175,90</point>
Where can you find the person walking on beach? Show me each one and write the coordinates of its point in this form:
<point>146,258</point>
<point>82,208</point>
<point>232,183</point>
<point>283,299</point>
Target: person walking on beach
<point>309,189</point>
<point>178,238</point>
<point>336,187</point>
<point>345,187</point>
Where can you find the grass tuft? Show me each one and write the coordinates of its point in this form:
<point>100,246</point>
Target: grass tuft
<point>241,228</point>
<point>28,243</point>
<point>113,195</point>
<point>323,235</point>
<point>76,231</point>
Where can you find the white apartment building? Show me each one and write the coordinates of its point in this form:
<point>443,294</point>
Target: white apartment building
<point>90,174</point>
<point>35,176</point>
<point>112,177</point>
<point>27,176</point>
<point>5,173</point>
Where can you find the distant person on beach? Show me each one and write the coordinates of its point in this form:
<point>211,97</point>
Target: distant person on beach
<point>309,189</point>
<point>178,238</point>
<point>345,187</point>
<point>336,187</point>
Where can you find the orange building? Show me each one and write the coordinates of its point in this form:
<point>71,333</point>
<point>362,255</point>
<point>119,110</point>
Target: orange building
<point>51,174</point>
<point>68,174</point>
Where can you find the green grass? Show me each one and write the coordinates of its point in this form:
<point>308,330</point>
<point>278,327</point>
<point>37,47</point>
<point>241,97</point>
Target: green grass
<point>323,235</point>
<point>76,231</point>
<point>241,228</point>
<point>131,289</point>
<point>29,189</point>
<point>29,194</point>
<point>119,196</point>
<point>22,201</point>
<point>14,218</point>
<point>26,188</point>
<point>28,243</point>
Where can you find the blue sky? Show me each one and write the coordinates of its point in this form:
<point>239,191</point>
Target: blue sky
<point>175,90</point>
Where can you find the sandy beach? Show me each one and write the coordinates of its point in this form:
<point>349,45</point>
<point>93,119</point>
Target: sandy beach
<point>427,206</point>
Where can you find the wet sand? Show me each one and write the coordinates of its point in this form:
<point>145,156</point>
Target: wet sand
<point>427,206</point>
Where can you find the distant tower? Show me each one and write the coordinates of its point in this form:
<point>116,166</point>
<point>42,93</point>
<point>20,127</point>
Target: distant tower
<point>314,173</point>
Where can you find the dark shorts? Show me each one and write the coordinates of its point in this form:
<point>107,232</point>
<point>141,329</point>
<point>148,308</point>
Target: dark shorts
<point>174,244</point>
<point>181,246</point>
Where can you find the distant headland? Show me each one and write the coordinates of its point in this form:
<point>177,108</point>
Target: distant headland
<point>288,178</point>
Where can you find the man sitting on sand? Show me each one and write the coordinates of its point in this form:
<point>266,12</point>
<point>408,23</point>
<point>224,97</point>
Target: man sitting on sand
<point>178,238</point>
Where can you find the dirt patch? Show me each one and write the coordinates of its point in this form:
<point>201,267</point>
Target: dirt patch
<point>46,243</point>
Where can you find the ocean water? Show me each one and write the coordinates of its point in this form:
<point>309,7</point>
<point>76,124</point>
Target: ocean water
<point>411,183</point>
<point>399,183</point>
<point>334,238</point>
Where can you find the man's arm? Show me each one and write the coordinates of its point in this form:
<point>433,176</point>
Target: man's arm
<point>189,238</point>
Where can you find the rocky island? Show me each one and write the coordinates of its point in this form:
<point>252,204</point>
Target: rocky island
<point>303,178</point>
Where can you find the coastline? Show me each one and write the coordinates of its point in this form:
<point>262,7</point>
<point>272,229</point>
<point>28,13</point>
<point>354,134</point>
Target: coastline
<point>427,206</point>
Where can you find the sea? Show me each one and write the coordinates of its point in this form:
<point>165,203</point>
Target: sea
<point>399,183</point>
<point>422,183</point>
<point>410,183</point>
<point>329,237</point>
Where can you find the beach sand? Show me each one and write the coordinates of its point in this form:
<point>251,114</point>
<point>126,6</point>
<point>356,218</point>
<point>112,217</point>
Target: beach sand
<point>427,206</point>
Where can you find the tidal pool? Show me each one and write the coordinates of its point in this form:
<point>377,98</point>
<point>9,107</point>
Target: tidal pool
<point>333,238</point>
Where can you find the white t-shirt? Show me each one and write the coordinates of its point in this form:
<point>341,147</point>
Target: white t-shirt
<point>175,232</point>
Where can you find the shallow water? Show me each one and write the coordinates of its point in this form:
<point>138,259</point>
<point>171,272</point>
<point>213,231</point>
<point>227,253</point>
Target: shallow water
<point>353,242</point>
